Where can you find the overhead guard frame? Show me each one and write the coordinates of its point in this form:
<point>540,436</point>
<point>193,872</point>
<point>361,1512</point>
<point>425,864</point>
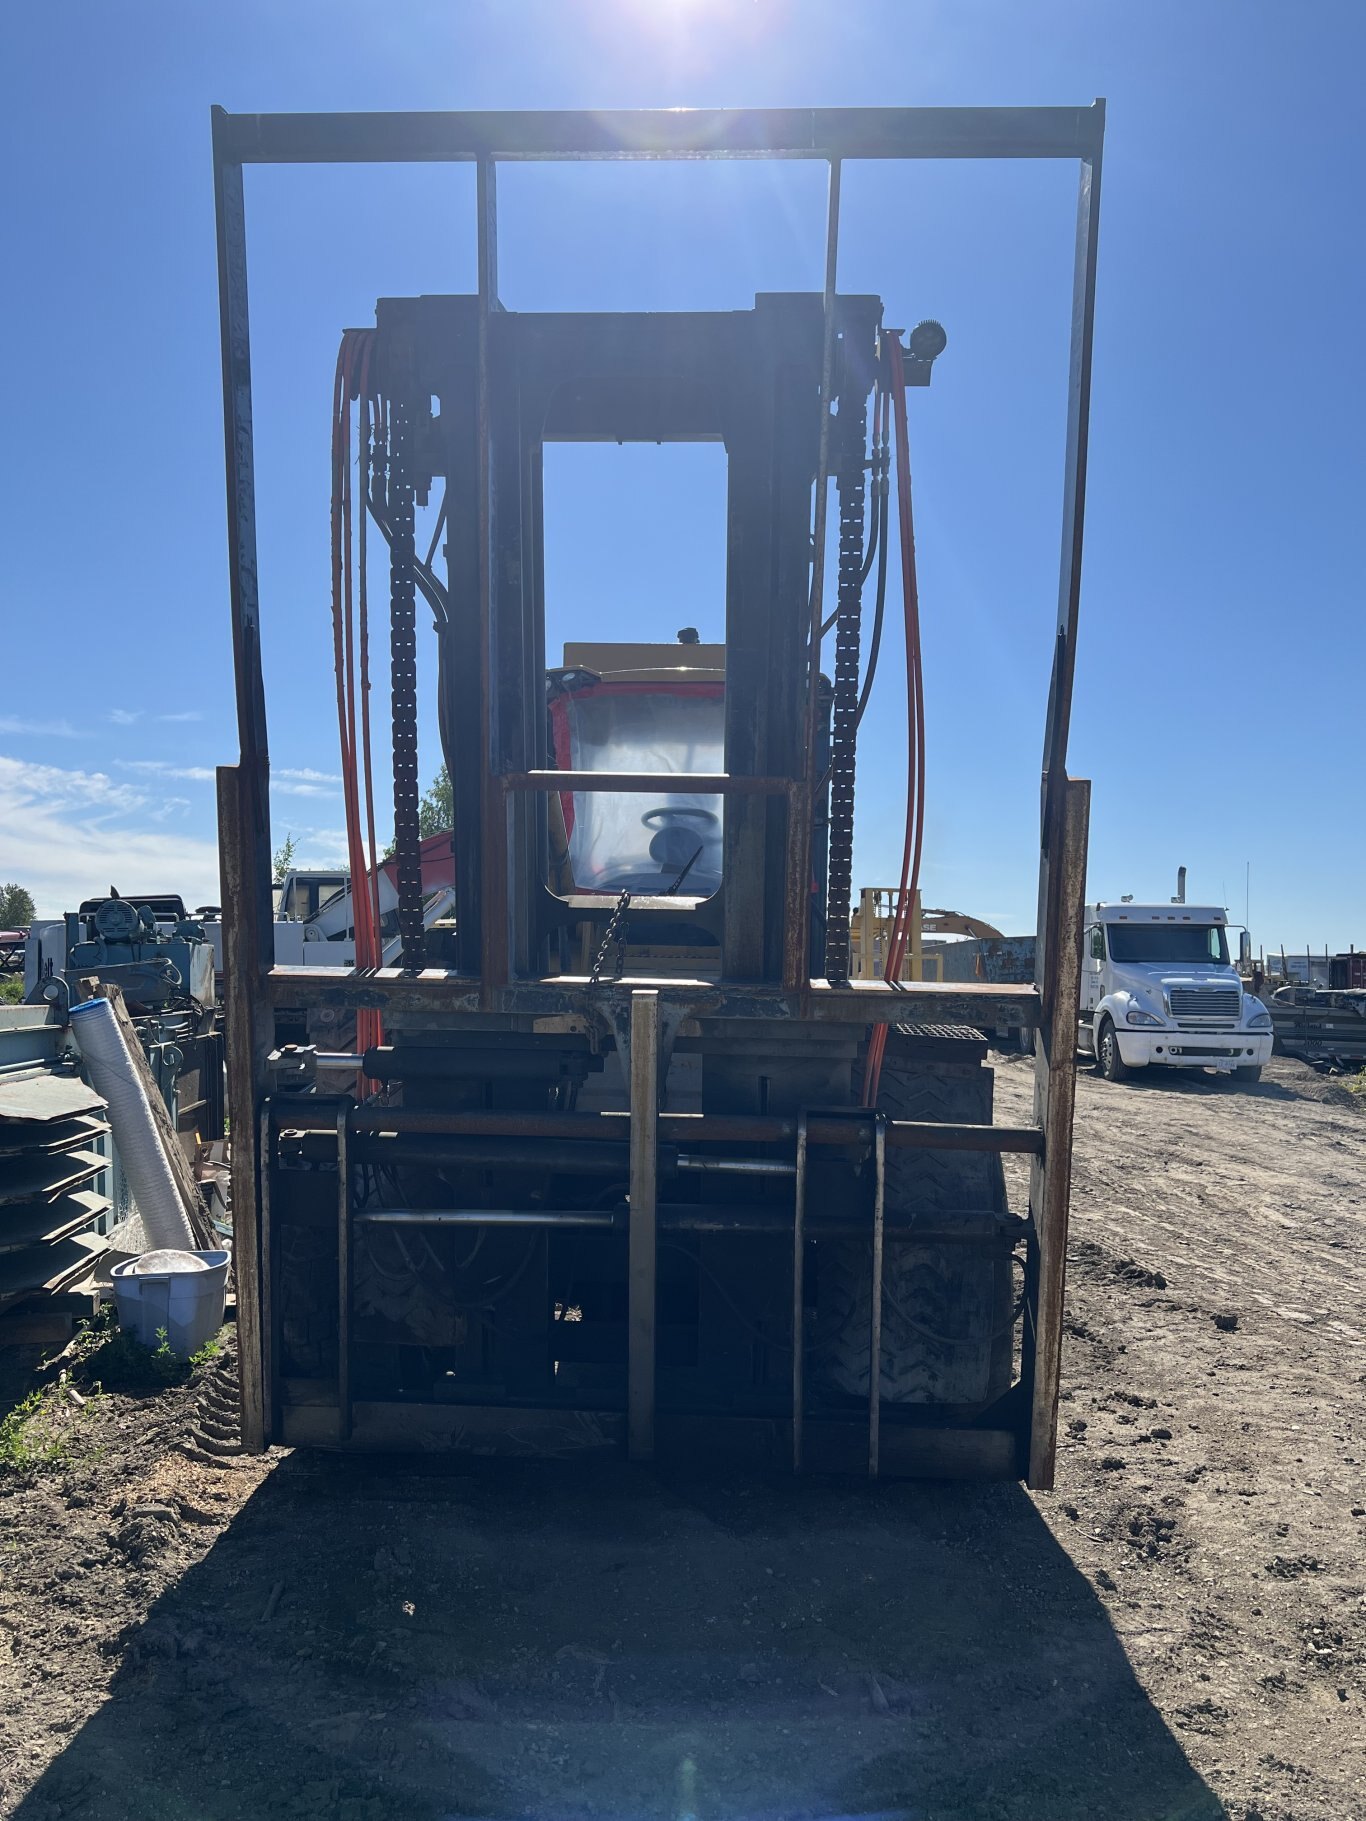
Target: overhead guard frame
<point>486,138</point>
<point>832,135</point>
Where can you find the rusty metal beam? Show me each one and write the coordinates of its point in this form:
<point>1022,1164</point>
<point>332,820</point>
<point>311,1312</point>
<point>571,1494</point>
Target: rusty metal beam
<point>1055,1088</point>
<point>1059,713</point>
<point>799,1296</point>
<point>798,877</point>
<point>305,1115</point>
<point>981,1228</point>
<point>344,1269</point>
<point>248,1025</point>
<point>494,932</point>
<point>977,1003</point>
<point>643,1072</point>
<point>832,1445</point>
<point>875,1298</point>
<point>268,1267</point>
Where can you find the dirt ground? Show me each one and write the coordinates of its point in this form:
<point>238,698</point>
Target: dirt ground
<point>1178,1632</point>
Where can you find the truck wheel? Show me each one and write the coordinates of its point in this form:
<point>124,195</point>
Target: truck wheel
<point>1253,1072</point>
<point>1109,1062</point>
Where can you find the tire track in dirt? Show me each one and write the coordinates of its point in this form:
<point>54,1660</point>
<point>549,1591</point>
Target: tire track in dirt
<point>343,1640</point>
<point>1212,1475</point>
<point>1251,1210</point>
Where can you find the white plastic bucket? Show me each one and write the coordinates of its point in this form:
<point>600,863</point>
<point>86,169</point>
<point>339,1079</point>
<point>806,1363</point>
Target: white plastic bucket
<point>188,1305</point>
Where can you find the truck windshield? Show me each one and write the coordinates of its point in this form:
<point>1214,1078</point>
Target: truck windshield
<point>1188,942</point>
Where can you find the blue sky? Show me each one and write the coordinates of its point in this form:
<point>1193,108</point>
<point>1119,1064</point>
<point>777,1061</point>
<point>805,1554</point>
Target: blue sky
<point>1223,640</point>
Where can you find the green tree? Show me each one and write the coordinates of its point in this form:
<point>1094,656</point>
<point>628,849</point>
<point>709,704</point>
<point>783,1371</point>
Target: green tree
<point>436,811</point>
<point>17,909</point>
<point>284,859</point>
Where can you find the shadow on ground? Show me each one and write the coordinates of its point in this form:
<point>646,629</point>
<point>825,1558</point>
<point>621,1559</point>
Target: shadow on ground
<point>374,1639</point>
<point>1156,1080</point>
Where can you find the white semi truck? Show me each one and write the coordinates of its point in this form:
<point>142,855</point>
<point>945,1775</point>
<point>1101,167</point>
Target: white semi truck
<point>1159,990</point>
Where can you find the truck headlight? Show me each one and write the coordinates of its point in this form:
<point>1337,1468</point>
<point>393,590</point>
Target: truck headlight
<point>1137,1017</point>
<point>1260,1021</point>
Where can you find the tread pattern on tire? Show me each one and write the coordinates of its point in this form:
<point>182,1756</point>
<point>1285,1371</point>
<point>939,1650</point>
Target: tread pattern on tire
<point>928,1291</point>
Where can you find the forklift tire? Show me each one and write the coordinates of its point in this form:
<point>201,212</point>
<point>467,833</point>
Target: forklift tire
<point>945,1323</point>
<point>946,1328</point>
<point>1109,1062</point>
<point>1252,1073</point>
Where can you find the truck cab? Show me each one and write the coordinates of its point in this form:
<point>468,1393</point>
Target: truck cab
<point>1159,990</point>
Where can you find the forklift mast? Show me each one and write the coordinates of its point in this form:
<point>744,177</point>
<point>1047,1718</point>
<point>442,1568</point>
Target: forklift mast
<point>750,380</point>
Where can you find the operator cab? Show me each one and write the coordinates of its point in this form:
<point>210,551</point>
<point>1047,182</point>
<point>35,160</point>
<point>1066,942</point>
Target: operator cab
<point>638,708</point>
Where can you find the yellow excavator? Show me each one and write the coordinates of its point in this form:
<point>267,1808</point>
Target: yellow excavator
<point>873,924</point>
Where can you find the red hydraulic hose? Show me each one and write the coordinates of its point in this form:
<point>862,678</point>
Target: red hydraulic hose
<point>915,716</point>
<point>367,402</point>
<point>352,381</point>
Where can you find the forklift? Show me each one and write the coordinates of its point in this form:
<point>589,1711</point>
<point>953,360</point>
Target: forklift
<point>631,1163</point>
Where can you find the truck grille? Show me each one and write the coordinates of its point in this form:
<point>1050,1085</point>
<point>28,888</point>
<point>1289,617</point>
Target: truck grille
<point>1219,1002</point>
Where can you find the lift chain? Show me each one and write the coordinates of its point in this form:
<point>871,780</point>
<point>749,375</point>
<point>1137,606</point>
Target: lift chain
<point>614,933</point>
<point>849,482</point>
<point>403,680</point>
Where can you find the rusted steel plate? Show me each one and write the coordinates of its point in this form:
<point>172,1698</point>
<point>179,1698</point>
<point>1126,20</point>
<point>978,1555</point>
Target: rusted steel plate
<point>43,1225</point>
<point>45,1096</point>
<point>42,1178</point>
<point>27,1138</point>
<point>40,1270</point>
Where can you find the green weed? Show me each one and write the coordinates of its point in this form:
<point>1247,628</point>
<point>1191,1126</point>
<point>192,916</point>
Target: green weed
<point>114,1359</point>
<point>40,1430</point>
<point>210,1351</point>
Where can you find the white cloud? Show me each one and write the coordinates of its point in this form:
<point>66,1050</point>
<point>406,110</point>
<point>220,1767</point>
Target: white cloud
<point>125,717</point>
<point>287,782</point>
<point>55,730</point>
<point>162,768</point>
<point>69,835</point>
<point>91,792</point>
<point>302,781</point>
<point>302,790</point>
<point>189,714</point>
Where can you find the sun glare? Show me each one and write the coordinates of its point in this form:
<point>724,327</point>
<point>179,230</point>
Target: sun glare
<point>697,31</point>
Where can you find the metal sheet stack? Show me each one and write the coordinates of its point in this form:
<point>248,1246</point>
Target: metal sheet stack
<point>53,1156</point>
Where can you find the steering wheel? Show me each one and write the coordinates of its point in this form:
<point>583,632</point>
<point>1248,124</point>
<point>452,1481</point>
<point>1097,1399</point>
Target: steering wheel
<point>705,817</point>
